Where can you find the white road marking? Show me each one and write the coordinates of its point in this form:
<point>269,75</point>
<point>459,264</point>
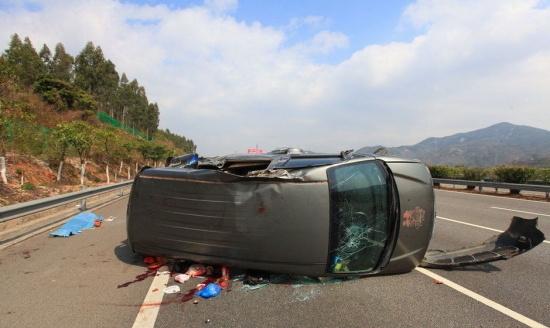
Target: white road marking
<point>149,310</point>
<point>470,224</point>
<point>477,226</point>
<point>502,309</point>
<point>507,209</point>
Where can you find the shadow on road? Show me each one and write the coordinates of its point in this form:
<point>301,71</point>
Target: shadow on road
<point>124,253</point>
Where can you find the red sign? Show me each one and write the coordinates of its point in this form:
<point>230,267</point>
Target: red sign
<point>255,151</point>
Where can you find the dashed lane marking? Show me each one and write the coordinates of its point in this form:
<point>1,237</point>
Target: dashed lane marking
<point>507,209</point>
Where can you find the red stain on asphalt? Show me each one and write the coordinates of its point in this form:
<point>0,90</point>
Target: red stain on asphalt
<point>139,277</point>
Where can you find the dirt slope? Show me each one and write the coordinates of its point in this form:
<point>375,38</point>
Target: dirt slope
<point>43,177</point>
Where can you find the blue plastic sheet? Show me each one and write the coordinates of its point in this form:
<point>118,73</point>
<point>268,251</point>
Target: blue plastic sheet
<point>76,224</point>
<point>210,290</point>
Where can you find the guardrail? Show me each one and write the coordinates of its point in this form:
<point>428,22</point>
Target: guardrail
<point>14,211</point>
<point>497,185</point>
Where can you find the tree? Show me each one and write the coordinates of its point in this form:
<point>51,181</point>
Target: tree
<point>86,68</point>
<point>136,104</point>
<point>24,60</point>
<point>12,127</point>
<point>96,75</point>
<point>108,92</point>
<point>8,82</point>
<point>186,145</point>
<point>13,56</point>
<point>62,64</point>
<point>157,152</point>
<point>106,138</point>
<point>127,154</point>
<point>151,119</point>
<point>79,136</point>
<point>46,56</point>
<point>63,94</point>
<point>10,110</point>
<point>61,145</point>
<point>145,148</point>
<point>56,92</point>
<point>118,107</point>
<point>12,124</point>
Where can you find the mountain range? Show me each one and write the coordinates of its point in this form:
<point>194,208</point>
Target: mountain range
<point>499,144</point>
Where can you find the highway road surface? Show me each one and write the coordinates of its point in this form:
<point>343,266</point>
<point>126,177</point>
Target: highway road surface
<point>94,280</point>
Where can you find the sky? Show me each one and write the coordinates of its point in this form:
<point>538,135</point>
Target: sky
<point>322,75</point>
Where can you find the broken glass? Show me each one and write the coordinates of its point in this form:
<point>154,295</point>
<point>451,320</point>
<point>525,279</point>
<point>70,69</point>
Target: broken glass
<point>359,217</point>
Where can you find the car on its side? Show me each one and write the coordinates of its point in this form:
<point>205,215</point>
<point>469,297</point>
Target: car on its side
<point>308,214</point>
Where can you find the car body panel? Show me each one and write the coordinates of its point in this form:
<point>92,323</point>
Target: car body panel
<point>209,217</point>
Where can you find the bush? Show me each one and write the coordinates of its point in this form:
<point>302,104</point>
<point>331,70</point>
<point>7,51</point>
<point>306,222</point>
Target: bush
<point>28,186</point>
<point>544,175</point>
<point>514,174</point>
<point>440,171</point>
<point>474,173</point>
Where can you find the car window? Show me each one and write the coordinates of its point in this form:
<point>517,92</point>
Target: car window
<point>360,211</point>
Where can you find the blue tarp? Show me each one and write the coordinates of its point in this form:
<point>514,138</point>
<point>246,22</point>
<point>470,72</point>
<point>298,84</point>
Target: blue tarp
<point>76,224</point>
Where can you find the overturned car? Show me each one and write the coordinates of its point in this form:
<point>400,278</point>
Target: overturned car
<point>309,214</point>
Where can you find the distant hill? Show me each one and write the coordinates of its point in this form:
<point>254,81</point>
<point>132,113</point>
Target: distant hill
<point>499,144</point>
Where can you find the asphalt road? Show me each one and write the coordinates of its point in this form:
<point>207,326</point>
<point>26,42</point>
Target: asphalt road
<point>93,280</point>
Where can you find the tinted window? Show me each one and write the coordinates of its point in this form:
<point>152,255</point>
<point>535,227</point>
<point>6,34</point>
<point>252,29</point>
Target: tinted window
<point>360,212</point>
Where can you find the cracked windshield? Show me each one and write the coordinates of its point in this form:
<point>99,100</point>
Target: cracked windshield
<point>359,217</point>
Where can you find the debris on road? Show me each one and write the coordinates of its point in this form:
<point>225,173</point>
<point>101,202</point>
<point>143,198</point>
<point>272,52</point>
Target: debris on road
<point>521,236</point>
<point>210,290</point>
<point>149,260</point>
<point>156,265</point>
<point>172,289</point>
<point>182,277</point>
<point>196,270</point>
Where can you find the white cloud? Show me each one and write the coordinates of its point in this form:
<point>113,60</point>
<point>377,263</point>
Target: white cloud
<point>222,6</point>
<point>229,85</point>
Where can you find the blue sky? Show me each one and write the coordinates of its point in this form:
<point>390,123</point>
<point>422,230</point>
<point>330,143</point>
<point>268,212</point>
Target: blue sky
<point>321,75</point>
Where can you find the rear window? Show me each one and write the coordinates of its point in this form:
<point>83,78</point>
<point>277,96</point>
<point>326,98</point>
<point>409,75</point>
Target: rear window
<point>360,215</point>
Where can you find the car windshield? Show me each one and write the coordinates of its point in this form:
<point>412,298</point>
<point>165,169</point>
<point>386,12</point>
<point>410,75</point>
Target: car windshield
<point>360,211</point>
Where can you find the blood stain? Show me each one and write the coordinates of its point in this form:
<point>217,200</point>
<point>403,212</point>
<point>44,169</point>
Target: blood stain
<point>139,277</point>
